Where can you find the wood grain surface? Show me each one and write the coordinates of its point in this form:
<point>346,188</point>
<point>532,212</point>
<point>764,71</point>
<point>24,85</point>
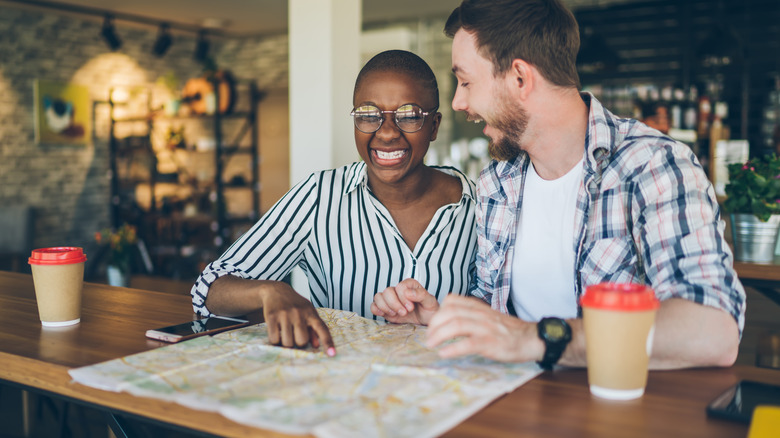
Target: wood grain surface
<point>555,404</point>
<point>758,271</point>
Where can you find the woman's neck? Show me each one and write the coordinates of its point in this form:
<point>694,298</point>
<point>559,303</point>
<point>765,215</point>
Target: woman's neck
<point>410,189</point>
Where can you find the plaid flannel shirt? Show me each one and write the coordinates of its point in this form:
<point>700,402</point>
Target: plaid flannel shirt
<point>646,213</point>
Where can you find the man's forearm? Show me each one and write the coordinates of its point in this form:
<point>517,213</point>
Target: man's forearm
<point>574,355</point>
<point>689,334</point>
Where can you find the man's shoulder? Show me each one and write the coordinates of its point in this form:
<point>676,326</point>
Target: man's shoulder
<point>617,143</point>
<point>639,146</point>
<point>497,173</point>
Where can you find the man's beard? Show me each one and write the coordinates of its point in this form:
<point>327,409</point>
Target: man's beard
<point>511,121</point>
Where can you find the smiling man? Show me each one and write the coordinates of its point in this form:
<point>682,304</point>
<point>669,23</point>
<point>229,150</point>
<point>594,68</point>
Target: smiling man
<point>575,196</point>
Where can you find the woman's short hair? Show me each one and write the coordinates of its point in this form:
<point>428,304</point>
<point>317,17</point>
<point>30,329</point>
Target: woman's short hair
<point>404,62</point>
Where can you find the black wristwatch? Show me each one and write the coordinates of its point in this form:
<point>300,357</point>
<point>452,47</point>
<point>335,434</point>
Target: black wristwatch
<point>556,334</point>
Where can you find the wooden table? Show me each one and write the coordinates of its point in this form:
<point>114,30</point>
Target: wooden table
<point>555,404</point>
<point>764,277</point>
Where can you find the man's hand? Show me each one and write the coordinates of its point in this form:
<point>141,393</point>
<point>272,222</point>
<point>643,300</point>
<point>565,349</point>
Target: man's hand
<point>293,321</point>
<point>407,302</point>
<point>482,331</point>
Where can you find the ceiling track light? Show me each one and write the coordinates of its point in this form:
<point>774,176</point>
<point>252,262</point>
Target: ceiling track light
<point>109,34</point>
<point>163,42</point>
<point>202,47</point>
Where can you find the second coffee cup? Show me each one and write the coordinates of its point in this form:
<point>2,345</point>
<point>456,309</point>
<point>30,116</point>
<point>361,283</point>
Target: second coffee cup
<point>58,276</point>
<point>619,322</point>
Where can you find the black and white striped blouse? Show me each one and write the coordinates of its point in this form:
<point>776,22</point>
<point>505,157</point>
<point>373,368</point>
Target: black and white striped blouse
<point>348,244</point>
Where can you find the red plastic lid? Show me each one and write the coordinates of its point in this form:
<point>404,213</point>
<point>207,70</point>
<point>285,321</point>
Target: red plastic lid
<point>63,255</point>
<point>620,296</point>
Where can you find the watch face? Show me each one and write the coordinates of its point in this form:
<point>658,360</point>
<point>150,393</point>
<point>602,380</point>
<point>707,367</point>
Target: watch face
<point>555,329</point>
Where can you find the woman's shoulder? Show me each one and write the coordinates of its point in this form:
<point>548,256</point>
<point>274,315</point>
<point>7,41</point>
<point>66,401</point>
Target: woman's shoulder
<point>339,175</point>
<point>466,184</point>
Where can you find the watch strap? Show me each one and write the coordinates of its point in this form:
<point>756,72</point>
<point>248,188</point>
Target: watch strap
<point>553,349</point>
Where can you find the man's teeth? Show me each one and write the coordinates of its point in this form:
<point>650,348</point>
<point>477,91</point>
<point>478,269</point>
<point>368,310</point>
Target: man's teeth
<point>390,155</point>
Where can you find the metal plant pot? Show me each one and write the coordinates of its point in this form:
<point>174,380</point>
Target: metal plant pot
<point>117,277</point>
<point>754,241</point>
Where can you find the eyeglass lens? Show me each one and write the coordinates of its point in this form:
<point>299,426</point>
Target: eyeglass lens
<point>408,118</point>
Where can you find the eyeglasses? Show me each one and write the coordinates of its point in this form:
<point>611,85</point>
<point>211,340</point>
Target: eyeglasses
<point>408,117</point>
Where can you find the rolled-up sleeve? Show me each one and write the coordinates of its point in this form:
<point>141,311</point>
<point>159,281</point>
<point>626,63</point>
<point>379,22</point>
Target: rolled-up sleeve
<point>686,255</point>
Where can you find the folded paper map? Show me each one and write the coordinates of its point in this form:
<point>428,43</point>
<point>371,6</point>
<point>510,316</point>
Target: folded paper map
<point>383,382</point>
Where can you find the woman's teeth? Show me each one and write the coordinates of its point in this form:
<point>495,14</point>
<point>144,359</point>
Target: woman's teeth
<point>390,155</point>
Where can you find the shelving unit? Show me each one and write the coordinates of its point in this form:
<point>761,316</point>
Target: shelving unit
<point>668,42</point>
<point>206,226</point>
<point>224,152</point>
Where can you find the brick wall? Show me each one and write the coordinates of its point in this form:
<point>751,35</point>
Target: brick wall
<point>68,186</point>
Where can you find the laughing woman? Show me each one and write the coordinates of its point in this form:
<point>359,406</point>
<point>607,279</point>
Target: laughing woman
<point>358,229</point>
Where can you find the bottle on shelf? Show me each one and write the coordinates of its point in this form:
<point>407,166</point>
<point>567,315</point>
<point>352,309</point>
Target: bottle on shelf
<point>718,130</point>
<point>704,117</point>
<point>690,113</point>
<point>676,110</point>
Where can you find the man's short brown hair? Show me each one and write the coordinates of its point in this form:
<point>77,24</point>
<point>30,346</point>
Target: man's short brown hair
<point>543,33</point>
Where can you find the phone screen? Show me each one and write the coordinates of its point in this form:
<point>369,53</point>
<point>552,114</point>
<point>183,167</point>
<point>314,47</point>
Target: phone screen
<point>738,402</point>
<point>199,326</point>
<point>187,330</point>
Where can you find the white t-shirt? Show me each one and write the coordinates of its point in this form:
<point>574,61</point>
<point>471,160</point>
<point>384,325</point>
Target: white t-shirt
<point>543,258</point>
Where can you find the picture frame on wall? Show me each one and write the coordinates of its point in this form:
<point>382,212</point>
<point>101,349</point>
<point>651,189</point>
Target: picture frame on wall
<point>62,113</point>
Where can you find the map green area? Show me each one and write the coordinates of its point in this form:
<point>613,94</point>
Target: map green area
<point>383,382</point>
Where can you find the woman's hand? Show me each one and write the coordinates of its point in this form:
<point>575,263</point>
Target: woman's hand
<point>407,302</point>
<point>292,320</point>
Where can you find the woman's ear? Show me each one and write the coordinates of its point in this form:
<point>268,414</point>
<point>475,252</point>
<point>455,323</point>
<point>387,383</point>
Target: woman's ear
<point>436,122</point>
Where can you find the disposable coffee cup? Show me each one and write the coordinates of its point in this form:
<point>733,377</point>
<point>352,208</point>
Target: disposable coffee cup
<point>58,275</point>
<point>619,320</point>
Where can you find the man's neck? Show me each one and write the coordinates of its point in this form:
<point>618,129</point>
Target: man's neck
<point>556,140</point>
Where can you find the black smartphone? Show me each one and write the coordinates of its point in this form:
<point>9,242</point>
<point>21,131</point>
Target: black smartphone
<point>193,329</point>
<point>737,403</point>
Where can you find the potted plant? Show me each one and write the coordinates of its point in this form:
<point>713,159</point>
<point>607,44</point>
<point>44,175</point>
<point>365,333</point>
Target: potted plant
<point>753,199</point>
<point>120,243</point>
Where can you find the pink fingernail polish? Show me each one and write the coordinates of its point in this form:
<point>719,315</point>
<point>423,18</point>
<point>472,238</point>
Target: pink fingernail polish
<point>331,352</point>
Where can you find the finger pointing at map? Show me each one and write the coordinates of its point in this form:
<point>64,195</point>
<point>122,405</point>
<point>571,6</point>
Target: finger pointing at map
<point>292,319</point>
<point>294,322</point>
